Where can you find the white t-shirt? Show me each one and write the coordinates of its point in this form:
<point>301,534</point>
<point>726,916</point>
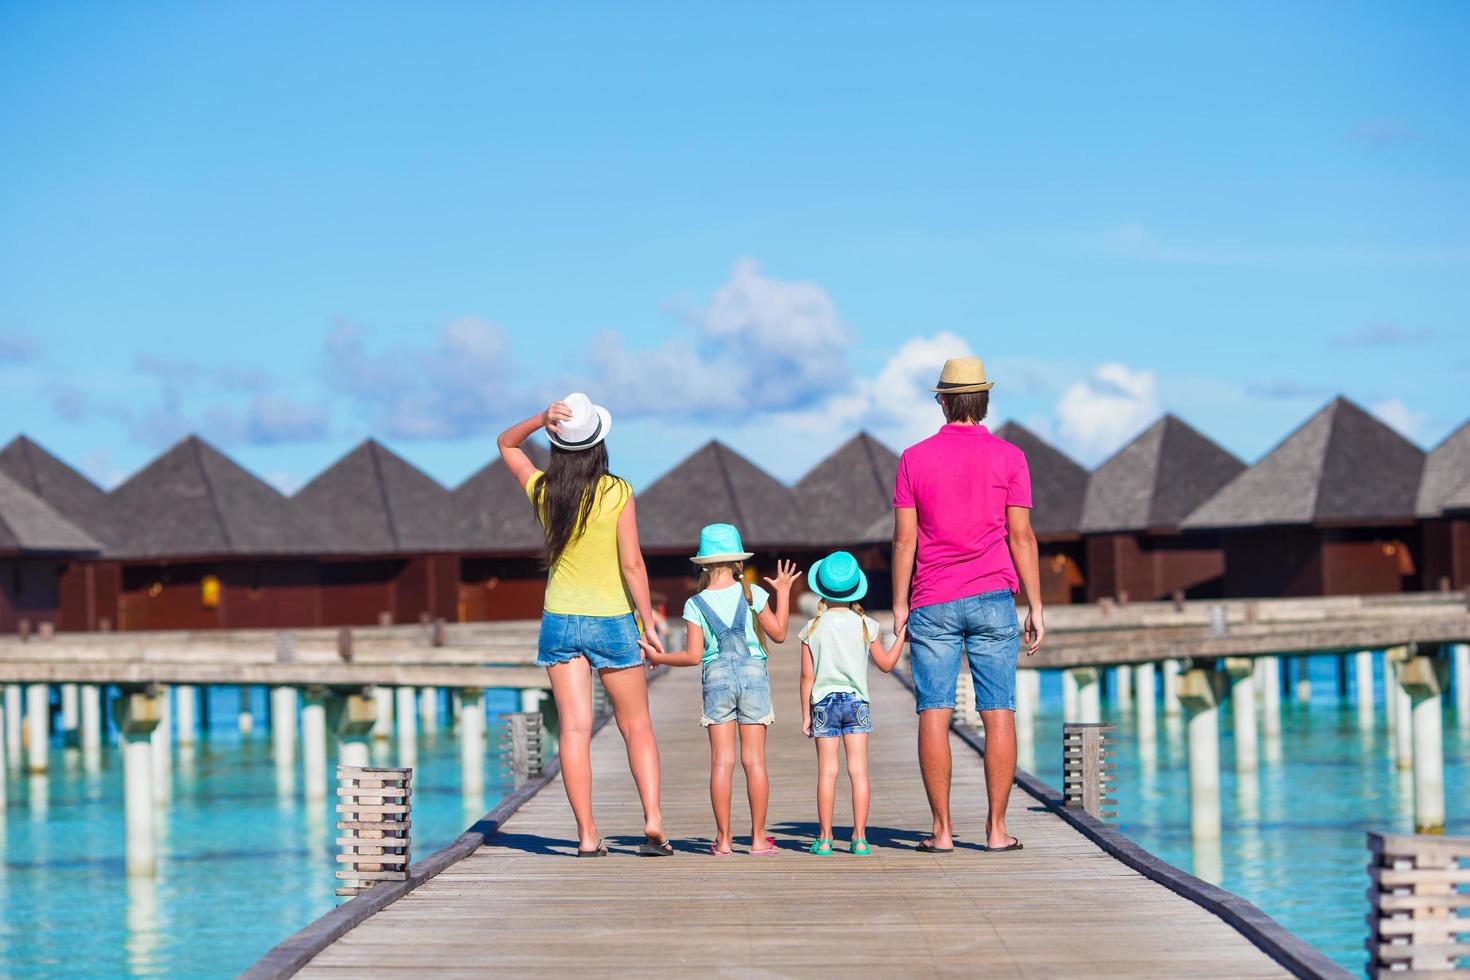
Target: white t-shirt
<point>838,652</point>
<point>723,602</point>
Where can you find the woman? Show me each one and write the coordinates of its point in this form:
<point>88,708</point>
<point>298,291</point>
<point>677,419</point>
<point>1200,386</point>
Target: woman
<point>596,581</point>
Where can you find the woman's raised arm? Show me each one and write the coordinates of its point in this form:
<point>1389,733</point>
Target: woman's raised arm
<point>511,439</point>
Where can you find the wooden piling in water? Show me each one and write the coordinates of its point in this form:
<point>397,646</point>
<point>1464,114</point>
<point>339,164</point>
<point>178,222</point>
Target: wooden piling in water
<point>1415,886</point>
<point>373,808</point>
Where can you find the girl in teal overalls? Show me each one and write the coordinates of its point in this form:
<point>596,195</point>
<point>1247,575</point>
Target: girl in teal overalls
<point>728,621</point>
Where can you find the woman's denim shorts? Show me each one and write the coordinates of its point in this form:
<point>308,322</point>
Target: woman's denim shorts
<point>841,713</point>
<point>608,642</point>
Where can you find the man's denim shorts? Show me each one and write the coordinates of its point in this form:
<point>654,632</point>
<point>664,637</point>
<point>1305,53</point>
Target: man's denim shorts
<point>841,713</point>
<point>736,688</point>
<point>982,627</point>
<point>608,642</point>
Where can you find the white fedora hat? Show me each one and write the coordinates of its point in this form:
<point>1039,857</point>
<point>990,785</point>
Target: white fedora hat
<point>588,425</point>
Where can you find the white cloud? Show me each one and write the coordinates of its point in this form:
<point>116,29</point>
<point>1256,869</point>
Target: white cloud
<point>464,385</point>
<point>1401,417</point>
<point>761,345</point>
<point>1095,415</point>
<point>16,348</point>
<point>287,483</point>
<point>1383,333</point>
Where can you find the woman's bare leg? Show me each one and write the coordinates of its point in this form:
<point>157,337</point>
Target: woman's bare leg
<point>571,686</point>
<point>757,785</point>
<point>721,772</point>
<point>627,688</point>
<point>856,746</point>
<point>826,785</point>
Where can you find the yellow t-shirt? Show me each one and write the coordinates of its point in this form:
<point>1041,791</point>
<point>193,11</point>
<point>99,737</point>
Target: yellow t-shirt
<point>587,580</point>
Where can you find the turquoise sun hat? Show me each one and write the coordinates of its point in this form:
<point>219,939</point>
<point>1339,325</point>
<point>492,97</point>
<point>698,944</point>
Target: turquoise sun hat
<point>719,542</point>
<point>838,577</point>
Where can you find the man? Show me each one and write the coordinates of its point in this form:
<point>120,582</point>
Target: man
<point>962,547</point>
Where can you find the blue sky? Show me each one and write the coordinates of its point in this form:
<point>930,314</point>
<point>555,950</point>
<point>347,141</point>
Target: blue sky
<point>290,226</point>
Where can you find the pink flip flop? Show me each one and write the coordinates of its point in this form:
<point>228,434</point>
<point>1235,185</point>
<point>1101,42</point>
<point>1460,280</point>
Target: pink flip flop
<point>766,851</point>
<point>715,850</point>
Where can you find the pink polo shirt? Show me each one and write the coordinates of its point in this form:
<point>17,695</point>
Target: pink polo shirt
<point>961,480</point>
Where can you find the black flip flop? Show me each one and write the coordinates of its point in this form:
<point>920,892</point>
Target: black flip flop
<point>651,848</point>
<point>1009,847</point>
<point>928,848</point>
<point>598,852</point>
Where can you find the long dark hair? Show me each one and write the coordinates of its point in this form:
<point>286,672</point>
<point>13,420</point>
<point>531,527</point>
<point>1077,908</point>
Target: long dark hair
<point>563,497</point>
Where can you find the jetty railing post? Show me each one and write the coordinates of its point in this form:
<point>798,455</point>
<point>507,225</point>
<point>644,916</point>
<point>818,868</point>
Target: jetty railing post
<point>373,806</point>
<point>1146,699</point>
<point>521,746</point>
<point>351,714</point>
<point>1416,886</point>
<point>138,713</point>
<point>1243,711</point>
<point>283,725</point>
<point>1170,671</point>
<point>1462,684</point>
<point>1363,686</point>
<point>1390,682</point>
<point>38,727</point>
<point>1270,695</point>
<point>472,741</point>
<point>1123,687</point>
<point>1069,696</point>
<point>1423,679</point>
<point>14,717</point>
<point>406,710</point>
<point>1200,692</point>
<point>428,708</point>
<point>314,742</point>
<point>1087,775</point>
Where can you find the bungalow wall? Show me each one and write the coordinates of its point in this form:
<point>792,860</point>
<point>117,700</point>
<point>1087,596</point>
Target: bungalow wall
<point>1306,561</point>
<point>90,592</point>
<point>1149,567</point>
<point>1445,554</point>
<point>1063,580</point>
<point>354,592</point>
<point>500,588</point>
<point>28,590</point>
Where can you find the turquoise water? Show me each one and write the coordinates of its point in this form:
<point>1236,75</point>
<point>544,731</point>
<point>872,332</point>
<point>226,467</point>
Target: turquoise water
<point>1294,835</point>
<point>243,863</point>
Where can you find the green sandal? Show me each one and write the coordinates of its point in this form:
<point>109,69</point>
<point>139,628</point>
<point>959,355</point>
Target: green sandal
<point>821,846</point>
<point>859,847</point>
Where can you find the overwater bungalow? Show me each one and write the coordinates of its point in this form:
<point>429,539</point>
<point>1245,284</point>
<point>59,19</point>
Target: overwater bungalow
<point>1058,491</point>
<point>1443,506</point>
<point>200,543</point>
<point>87,589</point>
<point>715,484</point>
<point>842,498</point>
<point>36,544</point>
<point>1132,512</point>
<point>500,542</point>
<point>388,552</point>
<point>1329,511</point>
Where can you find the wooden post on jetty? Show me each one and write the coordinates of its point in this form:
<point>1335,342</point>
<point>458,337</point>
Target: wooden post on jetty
<point>1087,775</point>
<point>1423,679</point>
<point>1170,670</point>
<point>472,742</point>
<point>314,742</point>
<point>1417,887</point>
<point>351,715</point>
<point>1243,711</point>
<point>521,745</point>
<point>373,810</point>
<point>1403,709</point>
<point>1270,696</point>
<point>1462,683</point>
<point>14,715</point>
<point>38,727</point>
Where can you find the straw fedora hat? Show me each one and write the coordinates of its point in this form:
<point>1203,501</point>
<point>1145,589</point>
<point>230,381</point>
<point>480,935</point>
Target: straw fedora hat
<point>962,375</point>
<point>588,425</point>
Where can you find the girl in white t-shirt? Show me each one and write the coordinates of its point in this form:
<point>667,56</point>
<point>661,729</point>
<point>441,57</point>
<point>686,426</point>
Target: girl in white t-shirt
<point>835,647</point>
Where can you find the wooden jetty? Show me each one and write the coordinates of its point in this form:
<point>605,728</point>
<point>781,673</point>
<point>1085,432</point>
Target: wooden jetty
<point>508,898</point>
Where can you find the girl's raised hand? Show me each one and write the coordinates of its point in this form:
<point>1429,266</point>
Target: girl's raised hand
<point>786,576</point>
<point>556,413</point>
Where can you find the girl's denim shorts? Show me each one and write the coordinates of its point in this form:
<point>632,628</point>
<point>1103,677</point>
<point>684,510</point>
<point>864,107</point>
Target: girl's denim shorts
<point>736,689</point>
<point>841,713</point>
<point>608,642</point>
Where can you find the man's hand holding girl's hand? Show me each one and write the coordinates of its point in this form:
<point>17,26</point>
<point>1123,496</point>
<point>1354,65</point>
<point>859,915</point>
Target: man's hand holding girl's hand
<point>786,576</point>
